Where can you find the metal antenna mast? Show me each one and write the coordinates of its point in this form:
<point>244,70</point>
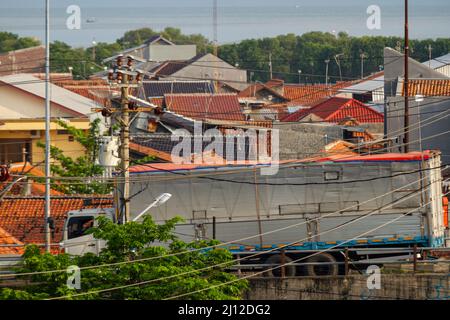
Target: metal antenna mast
<point>215,23</point>
<point>47,128</point>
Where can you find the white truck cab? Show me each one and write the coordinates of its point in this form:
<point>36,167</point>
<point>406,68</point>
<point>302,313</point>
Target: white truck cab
<point>75,240</point>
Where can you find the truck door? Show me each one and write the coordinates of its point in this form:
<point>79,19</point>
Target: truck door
<point>77,240</point>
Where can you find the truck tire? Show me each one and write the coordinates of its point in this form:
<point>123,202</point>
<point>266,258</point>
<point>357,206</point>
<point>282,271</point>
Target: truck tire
<point>323,269</point>
<point>289,270</point>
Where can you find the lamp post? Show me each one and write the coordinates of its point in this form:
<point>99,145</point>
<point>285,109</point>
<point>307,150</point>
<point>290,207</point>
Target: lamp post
<point>299,76</point>
<point>47,209</point>
<point>327,62</point>
<point>159,201</point>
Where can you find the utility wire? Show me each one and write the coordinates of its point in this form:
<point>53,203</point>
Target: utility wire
<point>227,243</point>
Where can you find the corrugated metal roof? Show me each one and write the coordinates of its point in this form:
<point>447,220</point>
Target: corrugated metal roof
<point>439,62</point>
<point>60,96</point>
<point>370,84</point>
<point>337,109</point>
<point>205,106</point>
<point>156,89</point>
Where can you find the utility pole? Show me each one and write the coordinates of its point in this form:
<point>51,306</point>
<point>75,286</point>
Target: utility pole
<point>406,82</point>
<point>362,56</point>
<point>216,43</point>
<point>125,77</point>
<point>430,55</point>
<point>94,44</point>
<point>338,62</point>
<point>327,62</point>
<point>270,66</point>
<point>47,209</point>
<point>215,27</point>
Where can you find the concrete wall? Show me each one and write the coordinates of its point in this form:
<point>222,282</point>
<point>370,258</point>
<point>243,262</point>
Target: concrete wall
<point>302,140</point>
<point>16,104</point>
<point>21,131</point>
<point>433,126</point>
<point>393,286</point>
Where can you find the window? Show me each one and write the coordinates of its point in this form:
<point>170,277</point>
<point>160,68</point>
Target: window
<point>78,226</point>
<point>332,175</point>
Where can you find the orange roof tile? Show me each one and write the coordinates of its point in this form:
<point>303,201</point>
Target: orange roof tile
<point>310,95</point>
<point>223,106</point>
<point>23,218</point>
<point>7,239</point>
<point>336,110</point>
<point>428,87</point>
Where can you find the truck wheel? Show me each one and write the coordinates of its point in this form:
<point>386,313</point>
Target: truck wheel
<point>322,269</point>
<point>276,259</point>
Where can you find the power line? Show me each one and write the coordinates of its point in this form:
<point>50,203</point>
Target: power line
<point>227,243</point>
<point>210,267</point>
<point>294,261</point>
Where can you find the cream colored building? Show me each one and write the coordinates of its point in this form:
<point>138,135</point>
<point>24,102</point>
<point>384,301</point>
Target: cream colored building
<point>22,118</point>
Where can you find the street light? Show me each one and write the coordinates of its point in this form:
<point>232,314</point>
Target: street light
<point>159,201</point>
<point>299,76</point>
<point>338,62</point>
<point>326,72</point>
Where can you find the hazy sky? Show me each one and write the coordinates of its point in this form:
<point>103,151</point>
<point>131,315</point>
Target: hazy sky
<point>238,19</point>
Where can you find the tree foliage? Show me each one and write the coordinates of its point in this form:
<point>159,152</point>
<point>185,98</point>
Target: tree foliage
<point>290,52</point>
<point>10,41</point>
<point>134,242</point>
<point>309,51</point>
<point>84,167</point>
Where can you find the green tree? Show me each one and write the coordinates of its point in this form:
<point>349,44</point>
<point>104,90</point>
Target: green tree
<point>10,41</point>
<point>84,166</point>
<point>146,262</point>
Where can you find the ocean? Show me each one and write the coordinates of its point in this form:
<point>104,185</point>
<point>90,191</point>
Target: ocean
<point>105,21</point>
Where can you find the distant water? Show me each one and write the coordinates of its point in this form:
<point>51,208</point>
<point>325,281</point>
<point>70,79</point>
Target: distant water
<point>238,19</point>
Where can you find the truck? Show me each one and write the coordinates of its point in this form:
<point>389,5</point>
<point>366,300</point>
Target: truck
<point>314,210</point>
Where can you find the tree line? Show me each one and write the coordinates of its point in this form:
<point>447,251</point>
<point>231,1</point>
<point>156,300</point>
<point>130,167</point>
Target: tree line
<point>295,58</point>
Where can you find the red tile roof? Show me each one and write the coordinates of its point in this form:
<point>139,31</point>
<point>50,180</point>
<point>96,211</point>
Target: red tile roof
<point>7,239</point>
<point>429,87</point>
<point>26,169</point>
<point>23,218</point>
<point>96,90</point>
<point>310,95</point>
<point>336,110</point>
<point>205,106</point>
<point>254,89</point>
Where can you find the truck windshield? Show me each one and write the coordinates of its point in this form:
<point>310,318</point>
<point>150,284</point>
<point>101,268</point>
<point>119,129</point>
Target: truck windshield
<point>78,226</point>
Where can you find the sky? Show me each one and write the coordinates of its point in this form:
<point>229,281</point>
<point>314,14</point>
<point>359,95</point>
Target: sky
<point>238,19</point>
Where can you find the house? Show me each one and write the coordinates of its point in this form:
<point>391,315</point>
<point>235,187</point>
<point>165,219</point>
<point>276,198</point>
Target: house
<point>29,186</point>
<point>9,245</point>
<point>157,49</point>
<point>263,94</point>
<point>22,118</point>
<point>372,88</point>
<point>224,107</point>
<point>429,116</point>
<point>158,89</point>
<point>201,67</point>
<point>22,218</point>
<point>29,60</point>
<point>335,110</point>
